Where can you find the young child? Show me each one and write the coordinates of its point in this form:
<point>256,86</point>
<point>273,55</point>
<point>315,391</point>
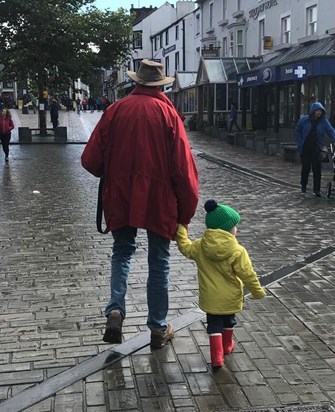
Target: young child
<point>224,267</point>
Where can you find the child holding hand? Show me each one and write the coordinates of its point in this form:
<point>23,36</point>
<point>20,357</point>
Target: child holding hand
<point>224,267</point>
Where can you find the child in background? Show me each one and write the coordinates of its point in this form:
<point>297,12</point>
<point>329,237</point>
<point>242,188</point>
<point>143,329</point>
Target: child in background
<point>224,267</point>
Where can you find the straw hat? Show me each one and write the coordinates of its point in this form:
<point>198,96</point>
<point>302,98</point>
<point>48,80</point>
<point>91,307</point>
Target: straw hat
<point>150,73</point>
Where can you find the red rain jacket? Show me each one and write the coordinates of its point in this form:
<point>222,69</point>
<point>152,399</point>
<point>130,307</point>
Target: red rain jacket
<point>141,148</point>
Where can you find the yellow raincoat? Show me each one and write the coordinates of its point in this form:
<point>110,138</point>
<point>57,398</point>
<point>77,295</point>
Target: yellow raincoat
<point>223,267</point>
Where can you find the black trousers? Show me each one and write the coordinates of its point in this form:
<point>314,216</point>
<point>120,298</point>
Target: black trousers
<point>217,323</point>
<point>233,123</point>
<point>5,139</point>
<point>310,160</point>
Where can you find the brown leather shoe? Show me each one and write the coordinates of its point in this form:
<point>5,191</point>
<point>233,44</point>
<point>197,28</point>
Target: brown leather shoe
<point>159,338</point>
<point>113,332</point>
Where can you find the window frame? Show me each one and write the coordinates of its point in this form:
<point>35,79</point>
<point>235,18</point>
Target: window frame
<point>311,25</point>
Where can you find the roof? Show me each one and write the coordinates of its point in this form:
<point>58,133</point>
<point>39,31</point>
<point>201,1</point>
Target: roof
<point>321,48</point>
<point>224,69</point>
<point>184,80</point>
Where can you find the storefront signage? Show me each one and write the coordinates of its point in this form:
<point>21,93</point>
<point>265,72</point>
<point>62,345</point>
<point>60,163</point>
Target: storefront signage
<point>168,50</point>
<point>263,76</point>
<point>297,71</point>
<point>254,13</point>
<point>210,52</point>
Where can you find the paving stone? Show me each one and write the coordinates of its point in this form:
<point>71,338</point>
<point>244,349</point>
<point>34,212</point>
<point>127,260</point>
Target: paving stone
<point>122,400</point>
<point>12,378</point>
<point>260,396</point>
<point>172,372</point>
<point>44,406</point>
<point>119,378</point>
<point>210,403</point>
<point>157,404</point>
<point>202,384</point>
<point>70,402</point>
<point>95,394</point>
<point>151,385</point>
<point>192,363</point>
<point>234,396</point>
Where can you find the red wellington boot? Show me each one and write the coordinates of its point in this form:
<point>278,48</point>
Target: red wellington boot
<point>228,341</point>
<point>216,349</point>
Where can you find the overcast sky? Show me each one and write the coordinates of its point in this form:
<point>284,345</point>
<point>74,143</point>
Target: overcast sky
<point>126,4</point>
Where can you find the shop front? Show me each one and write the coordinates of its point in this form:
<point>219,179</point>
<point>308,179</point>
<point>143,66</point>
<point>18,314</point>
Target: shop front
<point>284,87</point>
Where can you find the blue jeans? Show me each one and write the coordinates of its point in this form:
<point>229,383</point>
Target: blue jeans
<point>124,248</point>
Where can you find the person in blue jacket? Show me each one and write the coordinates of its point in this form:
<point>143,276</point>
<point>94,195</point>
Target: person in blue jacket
<point>309,133</point>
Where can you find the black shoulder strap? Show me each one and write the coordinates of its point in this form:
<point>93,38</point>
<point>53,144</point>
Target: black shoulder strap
<point>100,208</point>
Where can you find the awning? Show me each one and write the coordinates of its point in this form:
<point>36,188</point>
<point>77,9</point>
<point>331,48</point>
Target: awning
<point>298,63</point>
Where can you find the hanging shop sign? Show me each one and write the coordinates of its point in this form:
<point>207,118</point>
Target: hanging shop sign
<point>267,42</point>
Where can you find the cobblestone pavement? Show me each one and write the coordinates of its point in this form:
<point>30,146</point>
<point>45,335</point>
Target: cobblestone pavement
<point>54,283</point>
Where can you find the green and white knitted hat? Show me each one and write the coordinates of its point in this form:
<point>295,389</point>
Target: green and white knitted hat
<point>220,216</point>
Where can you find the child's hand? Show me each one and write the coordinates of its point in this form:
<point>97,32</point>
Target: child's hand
<point>260,295</point>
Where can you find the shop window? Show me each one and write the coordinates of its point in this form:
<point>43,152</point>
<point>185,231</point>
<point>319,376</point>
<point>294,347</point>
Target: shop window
<point>286,29</point>
<point>286,106</point>
<point>220,97</point>
<point>311,19</point>
<point>190,101</point>
<point>233,94</point>
<point>239,43</point>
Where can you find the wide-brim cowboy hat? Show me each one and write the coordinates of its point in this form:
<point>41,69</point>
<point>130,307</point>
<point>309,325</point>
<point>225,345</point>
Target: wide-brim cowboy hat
<point>150,73</point>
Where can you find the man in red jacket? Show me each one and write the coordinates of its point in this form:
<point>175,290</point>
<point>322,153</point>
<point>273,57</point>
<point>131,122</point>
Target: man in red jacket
<point>141,149</point>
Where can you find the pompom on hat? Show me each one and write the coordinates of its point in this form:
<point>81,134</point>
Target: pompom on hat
<point>150,73</point>
<point>220,216</point>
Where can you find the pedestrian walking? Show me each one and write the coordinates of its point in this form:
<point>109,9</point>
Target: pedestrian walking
<point>309,134</point>
<point>54,109</point>
<point>224,267</point>
<point>141,149</point>
<point>6,127</point>
<point>233,118</point>
<point>78,105</point>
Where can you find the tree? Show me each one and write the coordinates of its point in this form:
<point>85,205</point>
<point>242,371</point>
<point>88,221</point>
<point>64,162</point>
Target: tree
<point>53,42</point>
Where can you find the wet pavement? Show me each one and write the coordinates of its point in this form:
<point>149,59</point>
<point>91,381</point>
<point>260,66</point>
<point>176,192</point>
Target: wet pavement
<point>54,284</point>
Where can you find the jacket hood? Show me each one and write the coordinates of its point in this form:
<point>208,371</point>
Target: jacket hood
<point>218,244</point>
<point>315,106</point>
